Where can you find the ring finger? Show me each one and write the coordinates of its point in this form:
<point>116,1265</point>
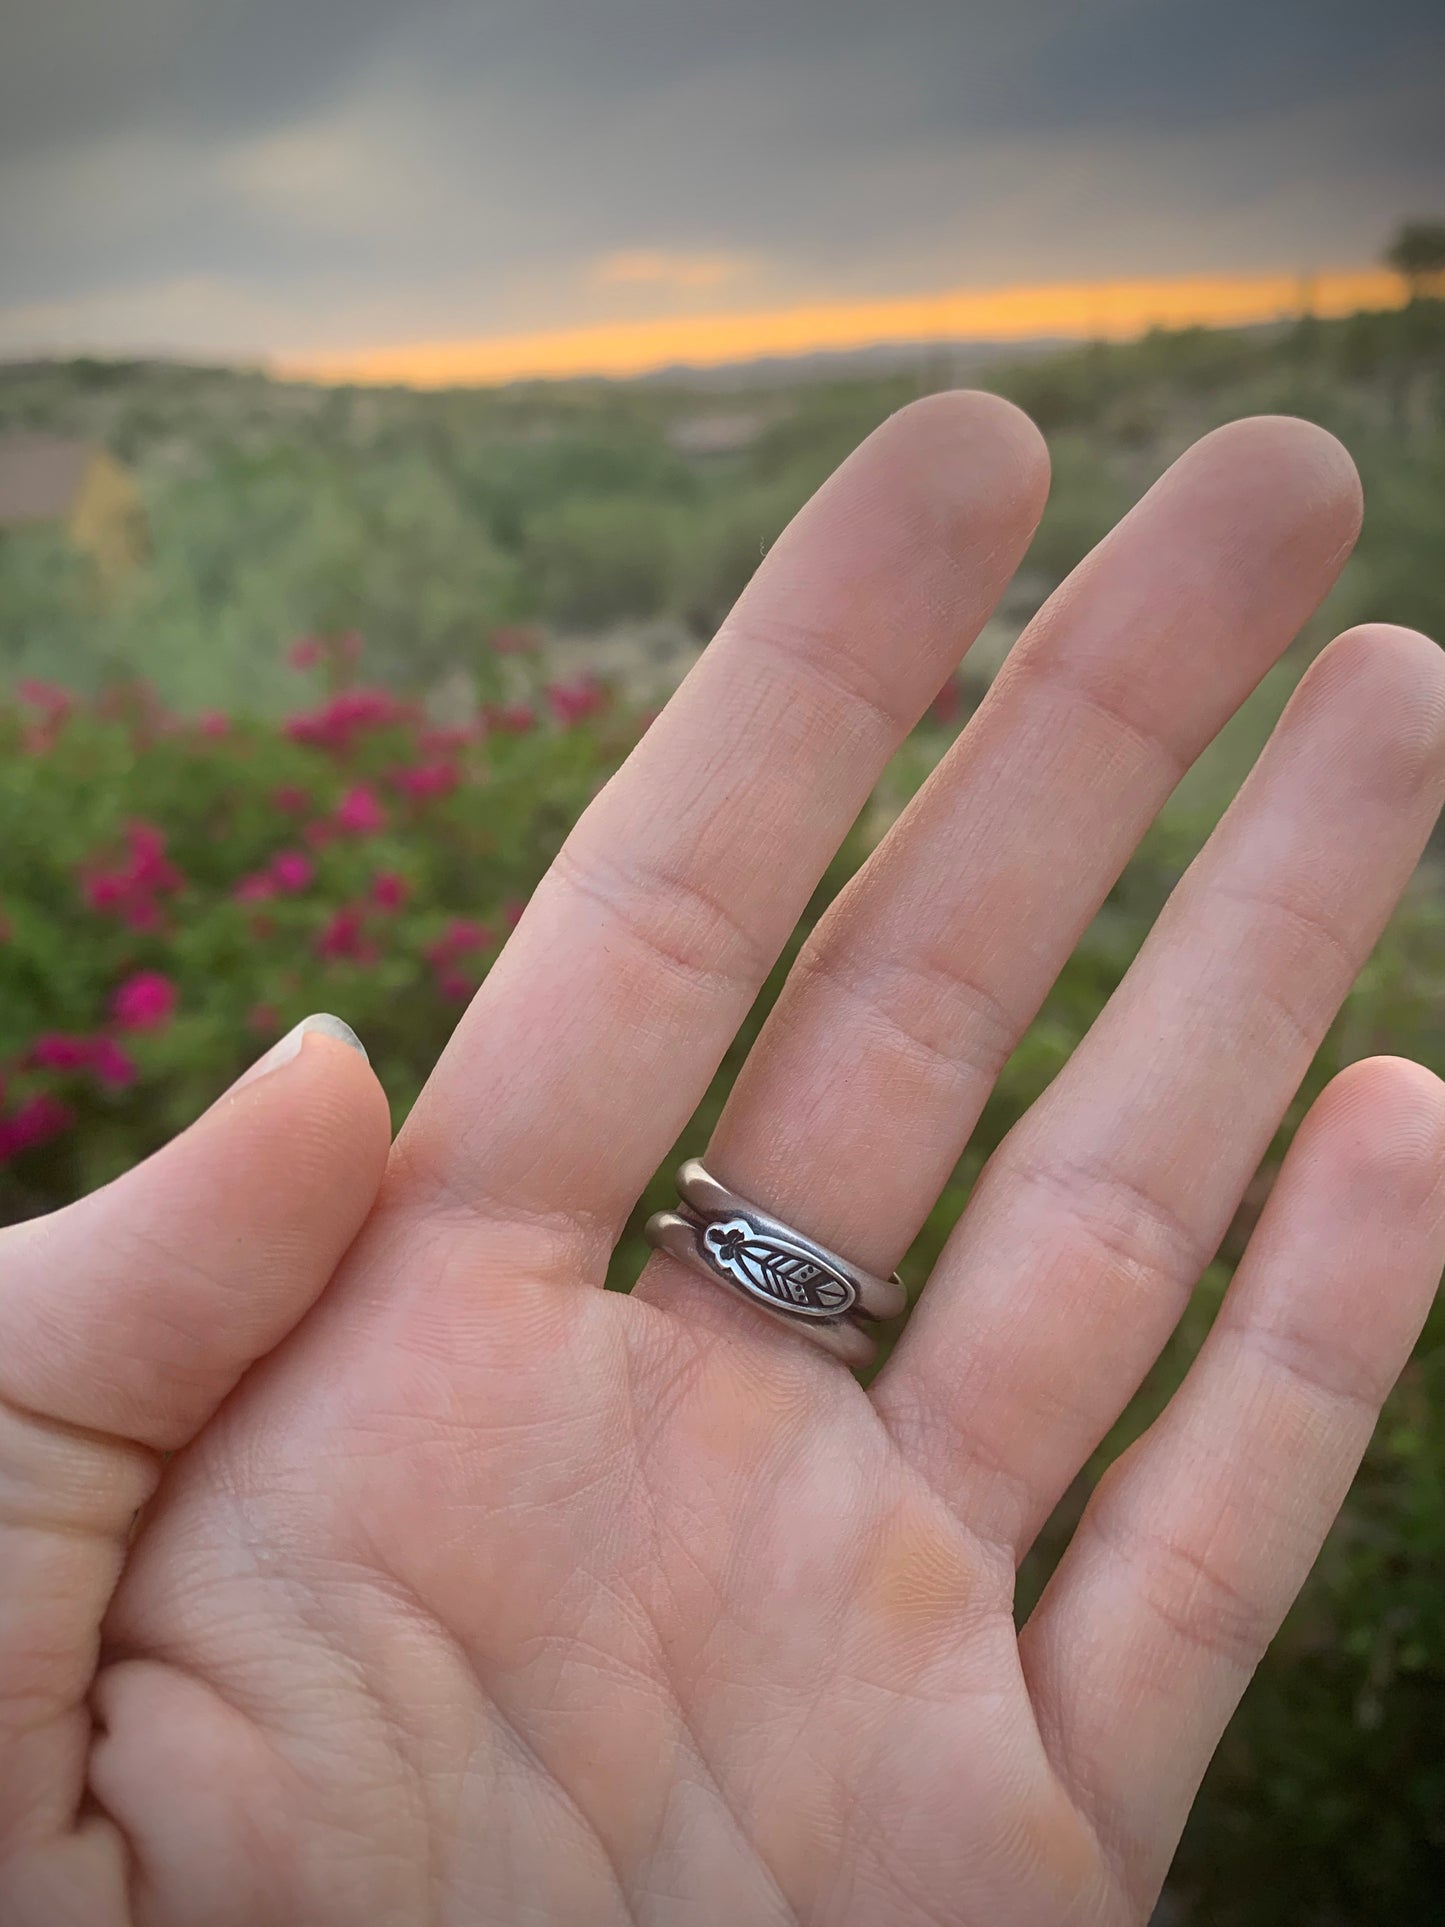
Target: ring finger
<point>1097,1214</point>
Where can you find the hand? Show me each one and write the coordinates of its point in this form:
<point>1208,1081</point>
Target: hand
<point>479,1594</point>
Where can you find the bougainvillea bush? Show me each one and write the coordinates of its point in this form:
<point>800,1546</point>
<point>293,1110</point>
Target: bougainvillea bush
<point>175,893</point>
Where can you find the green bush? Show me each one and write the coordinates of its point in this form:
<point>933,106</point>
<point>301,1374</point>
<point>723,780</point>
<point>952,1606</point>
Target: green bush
<point>597,560</point>
<point>236,875</point>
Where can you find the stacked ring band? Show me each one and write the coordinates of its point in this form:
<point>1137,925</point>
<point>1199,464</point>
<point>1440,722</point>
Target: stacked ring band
<point>782,1271</point>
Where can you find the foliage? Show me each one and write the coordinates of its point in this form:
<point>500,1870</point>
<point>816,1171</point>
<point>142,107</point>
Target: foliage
<point>427,519</point>
<point>597,559</point>
<point>1417,254</point>
<point>355,857</point>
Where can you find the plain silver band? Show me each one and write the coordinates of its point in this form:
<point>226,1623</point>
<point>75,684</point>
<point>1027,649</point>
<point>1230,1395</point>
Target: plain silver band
<point>707,1202</point>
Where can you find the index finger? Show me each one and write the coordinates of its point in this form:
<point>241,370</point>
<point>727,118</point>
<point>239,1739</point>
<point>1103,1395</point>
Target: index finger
<point>600,1026</point>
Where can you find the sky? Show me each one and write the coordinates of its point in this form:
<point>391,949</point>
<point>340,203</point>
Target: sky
<point>425,187</point>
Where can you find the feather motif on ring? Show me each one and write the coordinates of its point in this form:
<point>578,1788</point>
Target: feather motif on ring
<point>776,1271</point>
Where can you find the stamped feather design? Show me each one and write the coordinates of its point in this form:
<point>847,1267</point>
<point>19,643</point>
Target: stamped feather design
<point>776,1271</point>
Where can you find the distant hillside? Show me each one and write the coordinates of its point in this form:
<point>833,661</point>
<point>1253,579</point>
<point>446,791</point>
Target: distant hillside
<point>950,363</point>
<point>425,520</point>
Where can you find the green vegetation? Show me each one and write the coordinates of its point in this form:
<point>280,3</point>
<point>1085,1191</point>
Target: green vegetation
<point>1417,254</point>
<point>427,519</point>
<point>176,886</point>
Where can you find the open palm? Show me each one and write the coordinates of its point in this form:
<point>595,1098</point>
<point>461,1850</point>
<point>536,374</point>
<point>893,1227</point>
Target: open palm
<point>481,1594</point>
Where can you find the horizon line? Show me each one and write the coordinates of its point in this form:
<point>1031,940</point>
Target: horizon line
<point>1079,310</point>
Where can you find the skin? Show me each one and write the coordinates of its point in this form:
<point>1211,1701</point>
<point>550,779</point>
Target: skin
<point>474,1593</point>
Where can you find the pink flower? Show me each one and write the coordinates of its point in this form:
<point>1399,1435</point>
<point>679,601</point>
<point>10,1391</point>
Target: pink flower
<point>344,935</point>
<point>264,1020</point>
<point>58,1050</point>
<point>359,812</point>
<point>427,779</point>
<point>292,871</point>
<point>39,1119</point>
<point>512,912</point>
<point>284,875</point>
<point>130,889</point>
<point>149,870</point>
<point>291,798</point>
<point>337,723</point>
<point>574,700</point>
<point>388,890</point>
<point>103,891</point>
<point>214,723</point>
<point>145,1001</point>
<point>102,1056</point>
<point>113,1066</point>
<point>514,718</point>
<point>54,703</point>
<point>307,653</point>
<point>459,939</point>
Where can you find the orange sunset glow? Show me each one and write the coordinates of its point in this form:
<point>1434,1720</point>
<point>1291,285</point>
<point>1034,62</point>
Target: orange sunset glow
<point>1105,310</point>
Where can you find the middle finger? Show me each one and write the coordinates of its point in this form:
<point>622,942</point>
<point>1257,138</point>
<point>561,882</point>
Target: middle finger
<point>871,1072</point>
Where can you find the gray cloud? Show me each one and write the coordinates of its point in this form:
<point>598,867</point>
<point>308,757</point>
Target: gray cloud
<point>233,175</point>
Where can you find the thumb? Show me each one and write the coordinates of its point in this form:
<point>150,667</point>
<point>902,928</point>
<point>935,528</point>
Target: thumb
<point>125,1320</point>
<point>135,1311</point>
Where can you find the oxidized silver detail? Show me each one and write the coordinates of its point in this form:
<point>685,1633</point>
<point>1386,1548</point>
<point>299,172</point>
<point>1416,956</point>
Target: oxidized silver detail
<point>778,1272</point>
<point>776,1267</point>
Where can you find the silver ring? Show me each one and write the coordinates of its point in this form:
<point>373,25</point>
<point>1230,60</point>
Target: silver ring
<point>782,1271</point>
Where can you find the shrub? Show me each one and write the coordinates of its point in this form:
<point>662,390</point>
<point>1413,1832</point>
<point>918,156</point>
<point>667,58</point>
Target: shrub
<point>600,560</point>
<point>178,892</point>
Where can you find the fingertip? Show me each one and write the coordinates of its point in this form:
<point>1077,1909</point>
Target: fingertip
<point>1294,461</point>
<point>318,1107</point>
<point>324,1040</point>
<point>967,441</point>
<point>1380,1126</point>
<point>1413,662</point>
<point>1389,1084</point>
<point>1283,494</point>
<point>1384,647</point>
<point>135,1310</point>
<point>323,1023</point>
<point>1380,692</point>
<point>346,1082</point>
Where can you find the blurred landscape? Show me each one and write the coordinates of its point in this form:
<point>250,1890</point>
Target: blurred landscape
<point>427,520</point>
<point>301,687</point>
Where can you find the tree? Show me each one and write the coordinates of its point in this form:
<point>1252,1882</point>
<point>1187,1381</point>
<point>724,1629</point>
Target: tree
<point>1417,255</point>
